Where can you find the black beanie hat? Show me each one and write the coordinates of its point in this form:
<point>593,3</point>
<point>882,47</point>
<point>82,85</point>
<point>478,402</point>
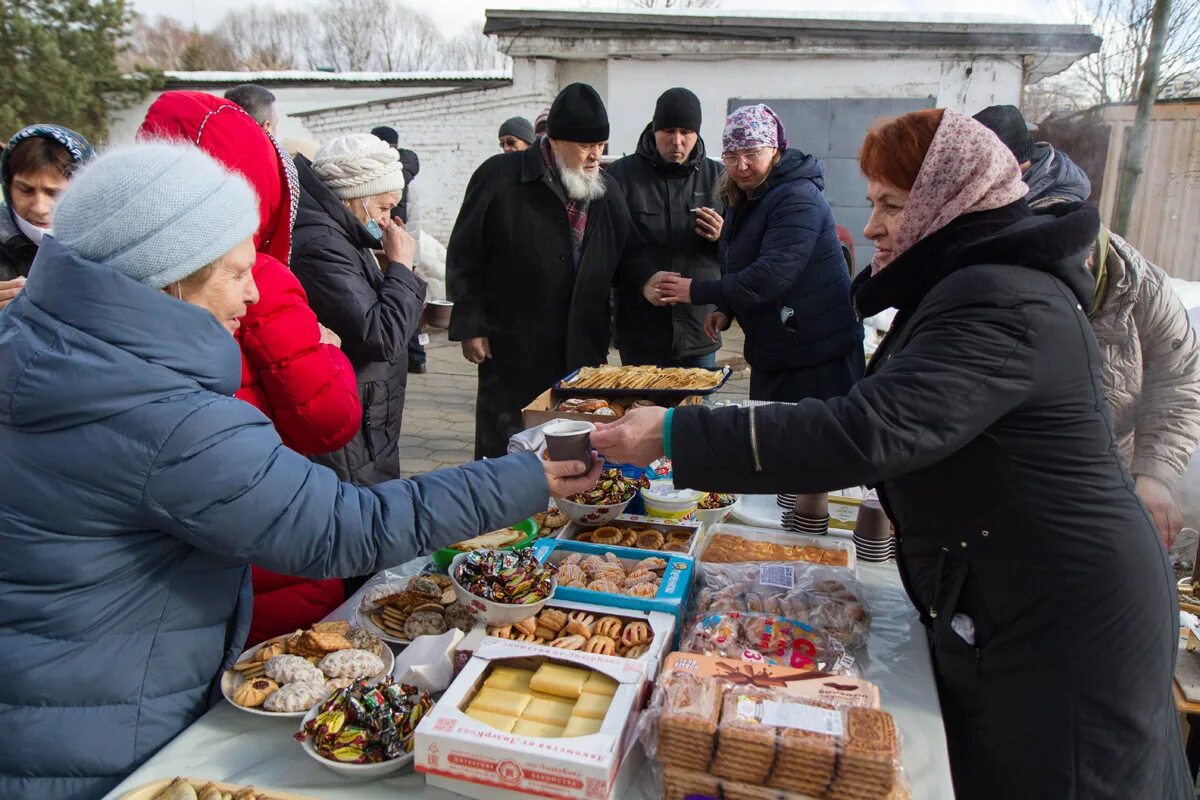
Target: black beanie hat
<point>389,135</point>
<point>677,108</point>
<point>578,115</point>
<point>1008,124</point>
<point>518,127</point>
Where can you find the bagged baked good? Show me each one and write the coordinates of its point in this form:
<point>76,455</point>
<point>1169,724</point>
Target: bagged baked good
<point>299,696</point>
<point>826,599</point>
<point>765,639</point>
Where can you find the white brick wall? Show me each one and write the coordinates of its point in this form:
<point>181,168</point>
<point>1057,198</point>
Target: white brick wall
<point>452,133</point>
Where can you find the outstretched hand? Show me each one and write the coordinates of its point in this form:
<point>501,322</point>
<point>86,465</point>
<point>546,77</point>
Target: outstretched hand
<point>636,438</point>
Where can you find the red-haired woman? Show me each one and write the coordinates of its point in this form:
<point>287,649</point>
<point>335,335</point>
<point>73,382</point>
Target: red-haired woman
<point>1040,579</point>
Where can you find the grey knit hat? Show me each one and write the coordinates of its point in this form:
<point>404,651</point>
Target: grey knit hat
<point>156,212</point>
<point>359,165</point>
<point>518,127</point>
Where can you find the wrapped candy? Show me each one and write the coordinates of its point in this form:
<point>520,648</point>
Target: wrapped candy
<point>367,724</point>
<point>511,577</point>
<point>612,488</point>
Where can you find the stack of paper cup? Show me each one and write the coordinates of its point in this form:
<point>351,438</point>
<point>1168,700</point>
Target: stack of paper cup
<point>809,515</point>
<point>873,537</point>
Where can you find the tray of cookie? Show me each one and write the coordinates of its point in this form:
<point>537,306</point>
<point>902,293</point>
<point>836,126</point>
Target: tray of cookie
<point>200,789</point>
<point>627,633</point>
<point>727,543</point>
<point>288,675</point>
<point>401,609</point>
<point>640,533</point>
<point>619,577</point>
<point>643,381</point>
<point>733,737</point>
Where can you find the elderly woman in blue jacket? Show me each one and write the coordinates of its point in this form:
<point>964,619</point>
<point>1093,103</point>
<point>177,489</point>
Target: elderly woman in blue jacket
<point>135,490</point>
<point>785,277</point>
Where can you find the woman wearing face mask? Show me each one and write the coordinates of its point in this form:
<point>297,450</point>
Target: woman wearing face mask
<point>347,194</point>
<point>35,168</point>
<point>1045,592</point>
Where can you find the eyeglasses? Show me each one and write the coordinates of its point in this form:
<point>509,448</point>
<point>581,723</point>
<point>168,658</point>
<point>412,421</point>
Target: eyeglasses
<point>752,158</point>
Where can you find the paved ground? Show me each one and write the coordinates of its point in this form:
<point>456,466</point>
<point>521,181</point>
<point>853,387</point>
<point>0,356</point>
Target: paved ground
<point>439,413</point>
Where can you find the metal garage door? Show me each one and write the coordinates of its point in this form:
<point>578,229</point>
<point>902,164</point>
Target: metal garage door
<point>832,130</point>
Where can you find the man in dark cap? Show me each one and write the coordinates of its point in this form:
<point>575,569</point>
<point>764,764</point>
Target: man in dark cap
<point>1051,176</point>
<point>516,134</point>
<point>671,189</point>
<point>541,240</point>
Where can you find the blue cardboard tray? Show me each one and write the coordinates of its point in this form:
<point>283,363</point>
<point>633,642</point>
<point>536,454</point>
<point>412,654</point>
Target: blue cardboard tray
<point>672,593</point>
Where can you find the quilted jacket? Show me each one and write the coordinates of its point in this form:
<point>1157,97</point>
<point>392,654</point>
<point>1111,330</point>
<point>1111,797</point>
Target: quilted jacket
<point>1151,363</point>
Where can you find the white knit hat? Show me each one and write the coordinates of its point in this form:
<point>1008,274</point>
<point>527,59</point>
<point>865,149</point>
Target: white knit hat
<point>359,165</point>
<point>155,211</point>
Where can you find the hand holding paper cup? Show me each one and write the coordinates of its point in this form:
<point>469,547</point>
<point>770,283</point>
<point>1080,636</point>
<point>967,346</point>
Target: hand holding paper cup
<point>569,440</point>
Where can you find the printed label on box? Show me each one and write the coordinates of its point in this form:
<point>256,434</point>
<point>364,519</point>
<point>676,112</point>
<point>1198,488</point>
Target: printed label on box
<point>781,575</point>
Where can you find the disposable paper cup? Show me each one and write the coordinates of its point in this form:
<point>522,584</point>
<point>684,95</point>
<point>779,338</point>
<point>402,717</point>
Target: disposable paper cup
<point>568,440</point>
<point>812,505</point>
<point>872,523</point>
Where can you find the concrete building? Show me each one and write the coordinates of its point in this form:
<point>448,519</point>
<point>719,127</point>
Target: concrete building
<point>297,91</point>
<point>828,77</point>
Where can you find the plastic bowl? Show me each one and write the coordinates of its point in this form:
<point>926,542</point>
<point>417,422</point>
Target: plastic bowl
<point>713,516</point>
<point>365,772</point>
<point>443,557</point>
<point>682,507</point>
<point>583,514</point>
<point>489,611</point>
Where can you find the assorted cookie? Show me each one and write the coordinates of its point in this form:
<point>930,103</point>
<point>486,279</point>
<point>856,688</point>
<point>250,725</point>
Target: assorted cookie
<point>308,664</point>
<point>610,574</point>
<point>589,632</point>
<point>184,789</point>
<point>638,536</point>
<point>424,605</point>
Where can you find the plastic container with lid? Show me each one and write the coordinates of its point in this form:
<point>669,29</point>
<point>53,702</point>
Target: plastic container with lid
<point>664,501</point>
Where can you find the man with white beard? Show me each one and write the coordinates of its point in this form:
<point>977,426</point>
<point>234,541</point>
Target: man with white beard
<point>542,238</point>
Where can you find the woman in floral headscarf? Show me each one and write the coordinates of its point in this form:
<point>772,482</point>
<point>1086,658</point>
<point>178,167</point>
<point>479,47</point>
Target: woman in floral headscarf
<point>785,277</point>
<point>1038,575</point>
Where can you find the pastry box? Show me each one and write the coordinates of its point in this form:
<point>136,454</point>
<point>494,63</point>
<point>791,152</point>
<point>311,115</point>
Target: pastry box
<point>636,532</point>
<point>660,626</point>
<point>728,544</point>
<point>531,719</point>
<point>617,576</point>
<point>840,690</point>
<point>545,407</point>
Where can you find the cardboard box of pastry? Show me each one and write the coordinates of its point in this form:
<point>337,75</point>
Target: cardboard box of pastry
<point>548,405</point>
<point>642,635</point>
<point>532,719</point>
<point>639,533</point>
<point>726,543</point>
<point>618,577</point>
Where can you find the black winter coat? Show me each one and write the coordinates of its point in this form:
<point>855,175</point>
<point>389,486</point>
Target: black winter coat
<point>661,197</point>
<point>785,276</point>
<point>375,313</point>
<point>510,274</point>
<point>16,250</point>
<point>984,425</point>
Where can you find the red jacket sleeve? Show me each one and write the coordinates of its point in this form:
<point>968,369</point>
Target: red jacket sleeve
<point>310,387</point>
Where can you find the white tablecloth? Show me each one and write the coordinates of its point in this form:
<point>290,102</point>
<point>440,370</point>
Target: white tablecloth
<point>230,745</point>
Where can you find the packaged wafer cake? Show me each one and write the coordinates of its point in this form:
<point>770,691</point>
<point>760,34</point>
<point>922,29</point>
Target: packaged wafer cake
<point>749,735</point>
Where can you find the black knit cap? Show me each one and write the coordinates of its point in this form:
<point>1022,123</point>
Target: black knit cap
<point>389,135</point>
<point>1008,124</point>
<point>677,108</point>
<point>578,115</point>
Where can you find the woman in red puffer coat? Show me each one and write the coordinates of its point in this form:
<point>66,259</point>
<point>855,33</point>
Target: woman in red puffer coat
<point>292,369</point>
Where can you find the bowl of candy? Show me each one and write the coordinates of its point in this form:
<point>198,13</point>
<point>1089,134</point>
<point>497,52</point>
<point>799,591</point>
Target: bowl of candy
<point>502,587</point>
<point>365,731</point>
<point>714,507</point>
<point>602,503</point>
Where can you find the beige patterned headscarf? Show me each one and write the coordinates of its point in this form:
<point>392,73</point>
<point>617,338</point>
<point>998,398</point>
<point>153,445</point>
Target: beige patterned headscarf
<point>967,169</point>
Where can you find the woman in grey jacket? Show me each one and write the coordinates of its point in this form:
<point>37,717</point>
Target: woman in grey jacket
<point>135,490</point>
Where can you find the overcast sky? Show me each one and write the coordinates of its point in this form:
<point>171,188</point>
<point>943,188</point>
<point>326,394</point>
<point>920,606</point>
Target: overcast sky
<point>453,15</point>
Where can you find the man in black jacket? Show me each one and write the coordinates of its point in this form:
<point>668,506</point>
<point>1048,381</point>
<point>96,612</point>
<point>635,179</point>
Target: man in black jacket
<point>542,238</point>
<point>671,190</point>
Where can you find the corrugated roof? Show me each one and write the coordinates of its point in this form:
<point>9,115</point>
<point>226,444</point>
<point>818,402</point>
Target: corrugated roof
<point>298,78</point>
